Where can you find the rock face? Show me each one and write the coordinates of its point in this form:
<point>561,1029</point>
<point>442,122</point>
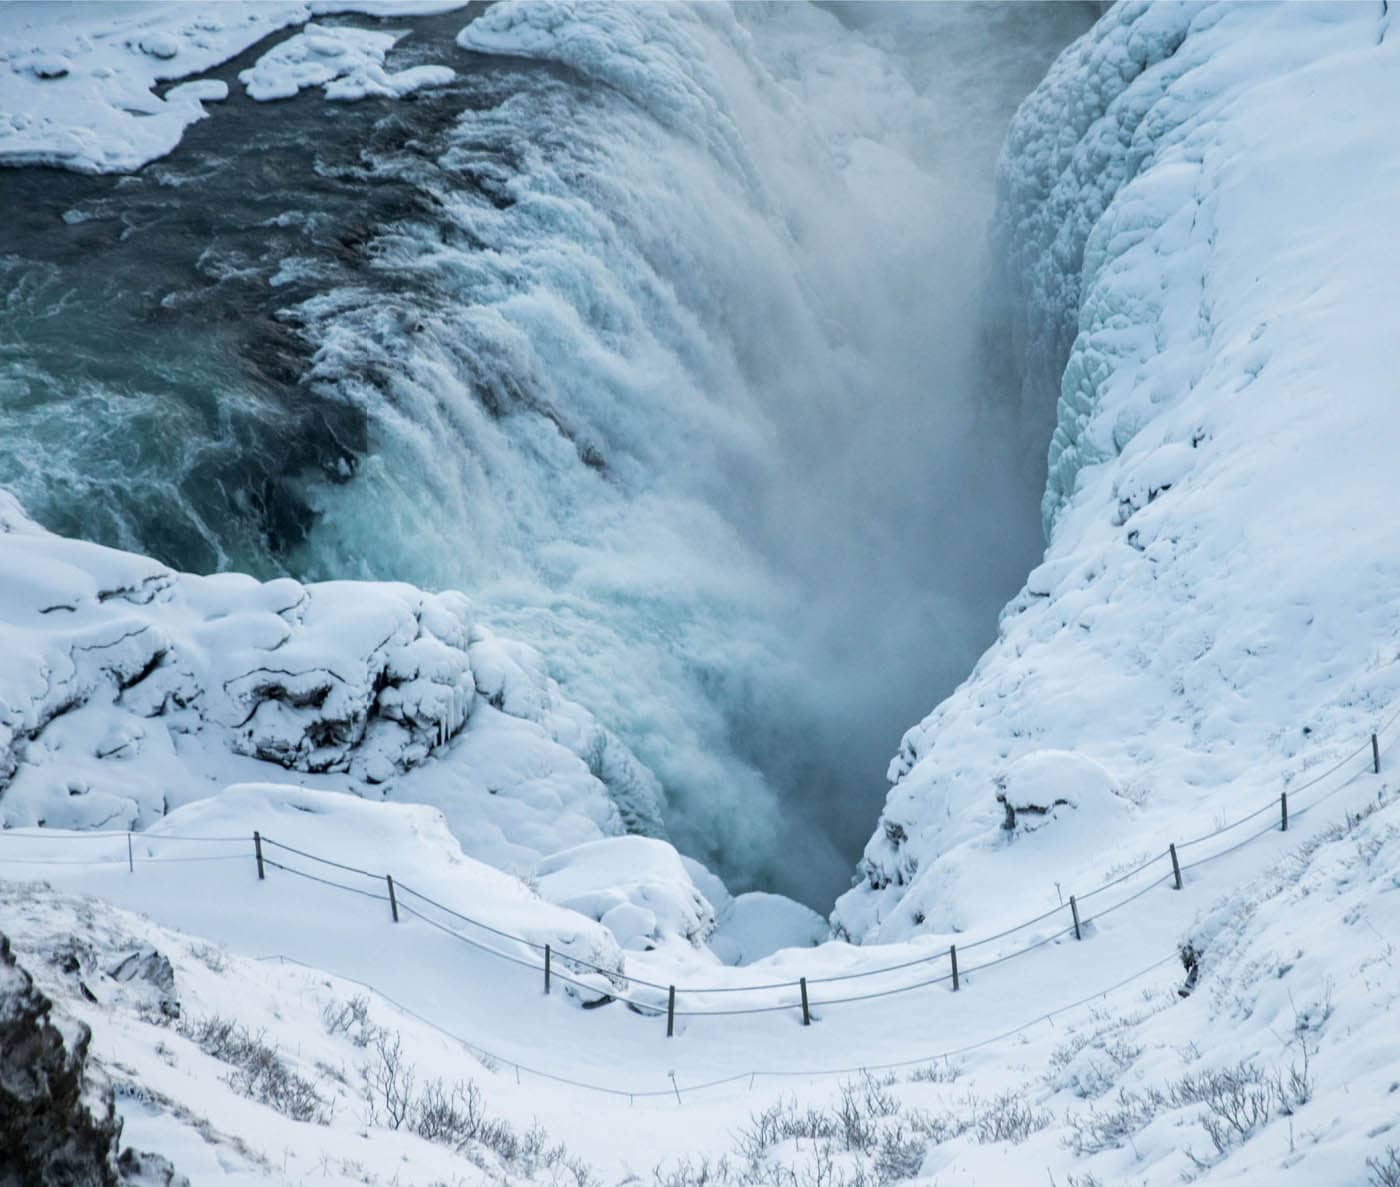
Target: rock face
<point>1196,224</point>
<point>57,1121</point>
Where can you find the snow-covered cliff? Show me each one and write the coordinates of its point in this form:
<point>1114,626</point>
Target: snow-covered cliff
<point>129,689</point>
<point>1197,221</point>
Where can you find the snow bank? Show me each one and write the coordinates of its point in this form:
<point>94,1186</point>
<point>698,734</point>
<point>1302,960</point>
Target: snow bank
<point>130,689</point>
<point>77,82</point>
<point>1196,213</point>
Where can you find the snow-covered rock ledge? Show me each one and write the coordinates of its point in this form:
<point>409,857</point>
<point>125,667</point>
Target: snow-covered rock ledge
<point>1197,216</point>
<point>129,689</point>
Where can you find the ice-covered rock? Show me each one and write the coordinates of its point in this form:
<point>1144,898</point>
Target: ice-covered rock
<point>1195,219</point>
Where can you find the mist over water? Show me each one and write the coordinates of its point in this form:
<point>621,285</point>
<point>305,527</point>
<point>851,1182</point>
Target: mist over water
<point>670,344</point>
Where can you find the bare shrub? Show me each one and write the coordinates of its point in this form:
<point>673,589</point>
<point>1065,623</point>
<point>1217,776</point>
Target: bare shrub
<point>351,1019</point>
<point>900,1154</point>
<point>1097,1130</point>
<point>389,1082</point>
<point>936,1073</point>
<point>454,1115</point>
<point>1385,1169</point>
<point>864,1103</point>
<point>1294,1088</point>
<point>1237,1100</point>
<point>259,1071</point>
<point>1006,1118</point>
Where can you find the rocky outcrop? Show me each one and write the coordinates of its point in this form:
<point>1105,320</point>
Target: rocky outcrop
<point>58,1124</point>
<point>58,1121</point>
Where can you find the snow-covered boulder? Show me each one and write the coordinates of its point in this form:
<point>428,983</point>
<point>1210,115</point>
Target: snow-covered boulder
<point>754,925</point>
<point>1196,218</point>
<point>636,887</point>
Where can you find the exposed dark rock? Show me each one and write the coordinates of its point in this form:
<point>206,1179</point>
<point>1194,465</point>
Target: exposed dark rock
<point>151,967</point>
<point>58,1125</point>
<point>58,1120</point>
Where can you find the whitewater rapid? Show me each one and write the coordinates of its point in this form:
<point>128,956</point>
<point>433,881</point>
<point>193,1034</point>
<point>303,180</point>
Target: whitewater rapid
<point>661,331</point>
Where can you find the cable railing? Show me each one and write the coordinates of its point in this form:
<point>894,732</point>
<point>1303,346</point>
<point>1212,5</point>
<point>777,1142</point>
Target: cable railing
<point>617,984</point>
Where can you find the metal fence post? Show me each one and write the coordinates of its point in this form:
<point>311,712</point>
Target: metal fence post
<point>130,862</point>
<point>671,1012</point>
<point>1283,805</point>
<point>1376,753</point>
<point>806,1012</point>
<point>257,849</point>
<point>953,956</point>
<point>393,901</point>
<point>1074,910</point>
<point>548,955</point>
<point>1176,865</point>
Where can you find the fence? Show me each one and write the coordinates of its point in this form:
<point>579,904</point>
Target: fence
<point>613,983</point>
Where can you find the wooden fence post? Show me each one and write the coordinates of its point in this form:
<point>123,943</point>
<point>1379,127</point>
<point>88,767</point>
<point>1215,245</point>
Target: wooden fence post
<point>953,956</point>
<point>548,956</point>
<point>257,848</point>
<point>1376,753</point>
<point>1074,910</point>
<point>1176,865</point>
<point>393,901</point>
<point>671,1012</point>
<point>1283,804</point>
<point>806,1011</point>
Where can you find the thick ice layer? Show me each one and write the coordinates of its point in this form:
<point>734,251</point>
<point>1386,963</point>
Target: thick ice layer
<point>130,689</point>
<point>1197,206</point>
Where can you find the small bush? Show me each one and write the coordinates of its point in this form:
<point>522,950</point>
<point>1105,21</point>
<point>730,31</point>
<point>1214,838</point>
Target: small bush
<point>1385,1170</point>
<point>259,1071</point>
<point>1097,1130</point>
<point>1007,1118</point>
<point>1237,1100</point>
<point>351,1018</point>
<point>936,1073</point>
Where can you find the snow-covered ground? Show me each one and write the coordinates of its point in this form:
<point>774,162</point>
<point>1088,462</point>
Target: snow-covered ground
<point>1197,212</point>
<point>1295,934</point>
<point>78,80</point>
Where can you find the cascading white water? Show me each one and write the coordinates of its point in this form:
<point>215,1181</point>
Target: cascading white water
<point>675,355</point>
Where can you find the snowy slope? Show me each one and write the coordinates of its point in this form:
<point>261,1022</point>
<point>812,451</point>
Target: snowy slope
<point>1023,1071</point>
<point>1197,212</point>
